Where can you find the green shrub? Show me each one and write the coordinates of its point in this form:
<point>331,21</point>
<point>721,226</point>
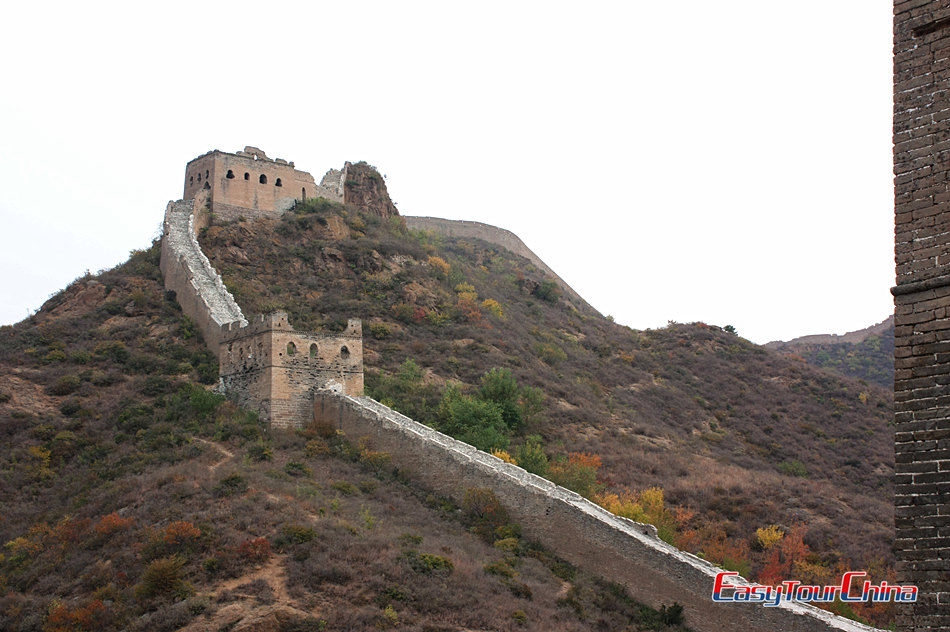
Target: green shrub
<point>65,385</point>
<point>230,485</point>
<point>793,468</point>
<point>260,451</point>
<point>294,534</point>
<point>428,563</point>
<point>379,331</point>
<point>163,578</point>
<point>295,468</point>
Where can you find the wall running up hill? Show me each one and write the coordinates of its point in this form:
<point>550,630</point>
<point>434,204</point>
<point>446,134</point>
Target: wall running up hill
<point>579,531</point>
<point>198,288</point>
<point>499,237</point>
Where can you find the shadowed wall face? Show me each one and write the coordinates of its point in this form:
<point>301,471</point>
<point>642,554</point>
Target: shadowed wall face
<point>922,300</point>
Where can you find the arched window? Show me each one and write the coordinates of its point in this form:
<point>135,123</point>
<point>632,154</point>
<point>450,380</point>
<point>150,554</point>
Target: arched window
<point>263,179</point>
<point>247,176</point>
<point>303,194</point>
<point>206,174</point>
<point>230,175</point>
<point>191,180</point>
<point>313,350</point>
<point>207,185</point>
<point>344,353</point>
<point>278,184</point>
<point>291,349</point>
<point>199,177</point>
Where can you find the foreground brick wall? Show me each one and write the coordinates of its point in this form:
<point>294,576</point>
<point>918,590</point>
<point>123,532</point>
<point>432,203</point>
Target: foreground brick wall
<point>922,299</point>
<point>579,531</point>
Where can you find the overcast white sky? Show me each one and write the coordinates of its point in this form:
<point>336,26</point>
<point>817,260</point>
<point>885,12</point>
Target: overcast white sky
<point>724,161</point>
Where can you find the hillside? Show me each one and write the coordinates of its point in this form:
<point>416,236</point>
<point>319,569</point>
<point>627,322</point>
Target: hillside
<point>867,354</point>
<point>710,418</point>
<point>135,499</point>
<point>143,500</point>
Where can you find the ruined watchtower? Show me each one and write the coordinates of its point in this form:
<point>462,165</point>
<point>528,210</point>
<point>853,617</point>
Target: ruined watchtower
<point>922,309</point>
<point>249,184</point>
<point>264,365</point>
<point>269,367</point>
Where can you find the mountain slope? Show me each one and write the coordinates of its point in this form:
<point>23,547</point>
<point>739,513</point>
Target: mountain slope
<point>135,499</point>
<point>867,354</point>
<point>742,436</point>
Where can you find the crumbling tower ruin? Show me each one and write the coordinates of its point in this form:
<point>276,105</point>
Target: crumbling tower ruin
<point>264,365</point>
<point>922,309</point>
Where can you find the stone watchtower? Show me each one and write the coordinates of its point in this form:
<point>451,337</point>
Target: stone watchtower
<point>269,367</point>
<point>264,365</point>
<point>249,184</point>
<point>922,309</point>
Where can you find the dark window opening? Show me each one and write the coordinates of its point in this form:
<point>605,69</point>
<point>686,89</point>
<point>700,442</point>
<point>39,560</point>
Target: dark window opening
<point>199,177</point>
<point>206,174</point>
<point>263,179</point>
<point>278,184</point>
<point>247,176</point>
<point>191,180</point>
<point>230,175</point>
<point>207,185</point>
<point>291,349</point>
<point>344,353</point>
<point>303,194</point>
<point>313,350</point>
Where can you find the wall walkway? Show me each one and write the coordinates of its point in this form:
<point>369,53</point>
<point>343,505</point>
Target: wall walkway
<point>198,288</point>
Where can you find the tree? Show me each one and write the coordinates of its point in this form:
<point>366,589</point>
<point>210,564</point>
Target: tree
<point>499,386</point>
<point>474,421</point>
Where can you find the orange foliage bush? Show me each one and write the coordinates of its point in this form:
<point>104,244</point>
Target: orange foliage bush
<point>181,532</point>
<point>255,550</point>
<point>112,523</point>
<point>91,617</point>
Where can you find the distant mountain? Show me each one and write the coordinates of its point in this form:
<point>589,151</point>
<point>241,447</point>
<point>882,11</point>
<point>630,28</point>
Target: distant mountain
<point>866,354</point>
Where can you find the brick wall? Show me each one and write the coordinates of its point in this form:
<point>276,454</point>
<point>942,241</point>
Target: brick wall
<point>273,369</point>
<point>922,299</point>
<point>187,271</point>
<point>579,531</point>
<point>248,183</point>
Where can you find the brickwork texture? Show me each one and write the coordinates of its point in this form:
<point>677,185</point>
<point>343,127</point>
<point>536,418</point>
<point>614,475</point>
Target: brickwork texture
<point>922,299</point>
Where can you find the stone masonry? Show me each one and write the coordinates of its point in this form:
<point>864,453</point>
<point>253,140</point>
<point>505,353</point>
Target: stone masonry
<point>249,184</point>
<point>198,288</point>
<point>581,532</point>
<point>266,365</point>
<point>269,367</point>
<point>922,301</point>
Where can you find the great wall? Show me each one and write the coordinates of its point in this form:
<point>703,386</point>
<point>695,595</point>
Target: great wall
<point>292,378</point>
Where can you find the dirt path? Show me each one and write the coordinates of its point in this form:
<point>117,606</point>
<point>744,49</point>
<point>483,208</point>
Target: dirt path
<point>227,454</point>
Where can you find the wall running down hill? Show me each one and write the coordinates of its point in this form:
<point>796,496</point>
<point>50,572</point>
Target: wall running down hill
<point>579,531</point>
<point>198,287</point>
